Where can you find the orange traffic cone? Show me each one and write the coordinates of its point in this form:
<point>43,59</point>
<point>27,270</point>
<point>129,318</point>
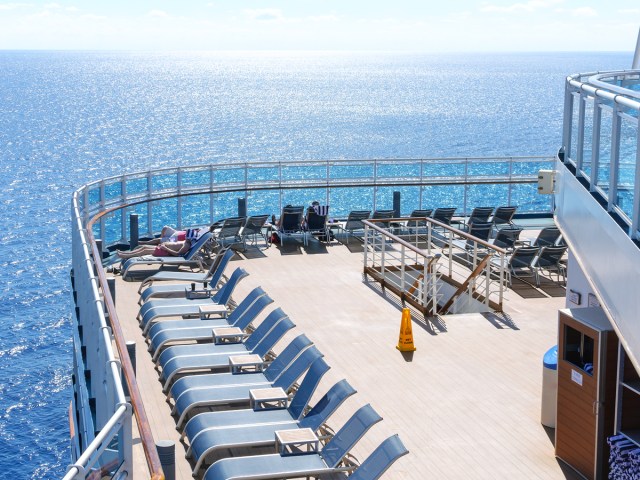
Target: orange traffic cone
<point>405,342</point>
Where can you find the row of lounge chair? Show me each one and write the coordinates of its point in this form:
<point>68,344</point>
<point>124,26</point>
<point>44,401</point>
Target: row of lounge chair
<point>183,349</point>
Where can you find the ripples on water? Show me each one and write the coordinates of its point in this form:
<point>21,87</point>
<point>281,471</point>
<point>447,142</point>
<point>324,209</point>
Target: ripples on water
<point>71,117</point>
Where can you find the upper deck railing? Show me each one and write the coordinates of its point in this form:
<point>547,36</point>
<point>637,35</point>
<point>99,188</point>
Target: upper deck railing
<point>198,195</point>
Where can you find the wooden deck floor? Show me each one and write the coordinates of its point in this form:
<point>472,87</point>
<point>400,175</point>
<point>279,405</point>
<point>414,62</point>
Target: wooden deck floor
<point>466,403</point>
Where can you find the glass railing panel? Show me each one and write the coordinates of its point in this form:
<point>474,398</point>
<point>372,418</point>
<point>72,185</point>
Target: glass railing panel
<point>587,149</point>
<point>266,202</point>
<point>164,181</point>
<point>94,196</point>
<point>230,175</point>
<point>492,195</point>
<point>398,170</point>
<point>302,173</point>
<point>574,126</point>
<point>409,199</point>
<point>265,173</point>
<point>346,199</point>
<point>348,170</point>
<point>195,211</point>
<point>112,227</point>
<point>444,196</point>
<point>488,168</point>
<point>226,205</point>
<point>196,178</point>
<point>136,186</point>
<point>444,170</point>
<point>303,196</point>
<point>604,153</point>
<point>163,212</point>
<point>113,191</point>
<point>627,164</point>
<point>526,197</point>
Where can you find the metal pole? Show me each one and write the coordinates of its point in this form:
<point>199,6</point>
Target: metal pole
<point>242,207</point>
<point>133,230</point>
<point>636,57</point>
<point>396,205</point>
<point>167,454</point>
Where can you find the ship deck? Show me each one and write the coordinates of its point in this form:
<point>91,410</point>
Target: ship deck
<point>466,402</point>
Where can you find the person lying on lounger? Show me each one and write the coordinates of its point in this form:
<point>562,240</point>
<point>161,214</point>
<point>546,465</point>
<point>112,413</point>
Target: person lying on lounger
<point>166,249</point>
<point>167,234</point>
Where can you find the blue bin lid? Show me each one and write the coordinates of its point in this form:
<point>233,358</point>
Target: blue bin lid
<point>550,359</point>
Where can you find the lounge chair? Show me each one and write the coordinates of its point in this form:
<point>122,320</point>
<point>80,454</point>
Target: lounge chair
<point>228,233</point>
<point>240,392</point>
<point>335,396</point>
<point>179,359</point>
<point>191,258</point>
<point>383,215</point>
<point>185,307</point>
<point>415,225</point>
<point>480,231</point>
<point>316,223</point>
<point>291,222</point>
<point>270,374</point>
<point>478,215</point>
<point>261,434</point>
<point>161,334</point>
<point>380,460</point>
<point>253,229</point>
<point>444,215</point>
<point>212,277</point>
<point>327,461</point>
<point>503,216</point>
<point>549,259</point>
<point>519,263</point>
<point>354,221</point>
<point>548,237</point>
<point>507,237</point>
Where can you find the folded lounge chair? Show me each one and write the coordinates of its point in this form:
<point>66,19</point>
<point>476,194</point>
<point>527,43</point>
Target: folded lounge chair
<point>261,434</point>
<point>275,466</point>
<point>163,333</point>
<point>184,307</point>
<point>190,259</point>
<point>354,221</point>
<point>253,229</point>
<point>213,277</point>
<point>519,263</point>
<point>228,232</point>
<point>179,359</point>
<point>549,259</point>
<point>239,393</point>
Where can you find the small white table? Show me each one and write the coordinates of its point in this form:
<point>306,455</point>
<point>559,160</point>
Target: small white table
<point>296,441</point>
<point>246,363</point>
<point>268,398</point>
<point>228,335</point>
<point>214,309</point>
<point>194,294</point>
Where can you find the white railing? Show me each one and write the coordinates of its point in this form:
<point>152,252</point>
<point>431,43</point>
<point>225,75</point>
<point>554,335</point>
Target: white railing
<point>106,202</point>
<point>436,268</point>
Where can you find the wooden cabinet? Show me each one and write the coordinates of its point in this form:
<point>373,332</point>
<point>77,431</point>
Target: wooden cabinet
<point>629,401</point>
<point>587,379</point>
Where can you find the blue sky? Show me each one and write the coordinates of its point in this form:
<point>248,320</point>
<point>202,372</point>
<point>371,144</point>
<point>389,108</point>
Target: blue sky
<point>396,25</point>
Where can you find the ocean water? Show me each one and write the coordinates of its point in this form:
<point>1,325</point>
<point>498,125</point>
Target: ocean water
<point>67,118</point>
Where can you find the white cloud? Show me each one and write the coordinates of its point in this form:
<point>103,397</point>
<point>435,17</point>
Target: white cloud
<point>14,6</point>
<point>527,7</point>
<point>629,11</point>
<point>158,14</point>
<point>584,12</point>
<point>265,14</point>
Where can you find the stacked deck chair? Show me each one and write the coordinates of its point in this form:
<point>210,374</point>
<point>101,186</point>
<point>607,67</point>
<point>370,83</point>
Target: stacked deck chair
<point>519,263</point>
<point>260,432</point>
<point>327,461</point>
<point>354,221</point>
<point>179,359</point>
<point>548,237</point>
<point>253,229</point>
<point>503,216</point>
<point>185,307</point>
<point>162,334</point>
<point>211,278</point>
<point>549,259</point>
<point>228,231</point>
<point>193,391</point>
<point>190,259</point>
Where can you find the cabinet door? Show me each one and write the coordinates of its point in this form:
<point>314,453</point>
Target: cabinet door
<point>577,409</point>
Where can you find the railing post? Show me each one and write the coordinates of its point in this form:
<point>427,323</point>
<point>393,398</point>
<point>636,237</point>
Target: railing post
<point>615,157</point>
<point>595,144</point>
<point>402,267</point>
<point>133,230</point>
<point>366,246</point>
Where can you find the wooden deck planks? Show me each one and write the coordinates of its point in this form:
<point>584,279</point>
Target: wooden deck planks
<point>467,402</point>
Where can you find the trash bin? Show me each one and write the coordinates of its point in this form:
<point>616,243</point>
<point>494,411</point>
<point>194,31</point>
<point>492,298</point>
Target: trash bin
<point>549,387</point>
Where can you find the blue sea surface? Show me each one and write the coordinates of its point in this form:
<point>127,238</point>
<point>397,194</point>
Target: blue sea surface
<point>67,118</point>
